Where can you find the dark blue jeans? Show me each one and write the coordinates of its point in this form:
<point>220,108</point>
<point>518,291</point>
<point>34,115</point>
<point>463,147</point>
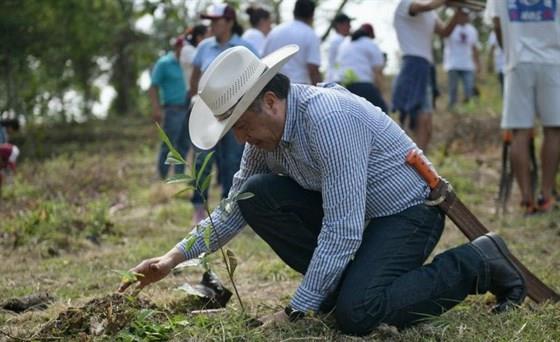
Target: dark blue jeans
<point>387,281</point>
<point>175,126</point>
<point>228,153</point>
<point>370,92</point>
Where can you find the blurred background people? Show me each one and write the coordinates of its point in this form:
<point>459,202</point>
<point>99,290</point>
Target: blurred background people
<point>461,60</point>
<point>304,66</point>
<point>7,128</point>
<point>168,97</point>
<point>193,37</point>
<point>341,25</point>
<point>360,66</point>
<point>8,157</point>
<point>226,33</point>
<point>529,33</point>
<point>497,58</point>
<point>261,25</point>
<point>415,23</point>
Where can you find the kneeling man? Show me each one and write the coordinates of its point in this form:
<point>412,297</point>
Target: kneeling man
<point>334,198</point>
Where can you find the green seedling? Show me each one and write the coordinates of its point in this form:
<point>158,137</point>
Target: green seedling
<point>199,181</point>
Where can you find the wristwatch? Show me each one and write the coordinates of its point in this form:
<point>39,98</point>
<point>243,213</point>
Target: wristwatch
<point>293,314</point>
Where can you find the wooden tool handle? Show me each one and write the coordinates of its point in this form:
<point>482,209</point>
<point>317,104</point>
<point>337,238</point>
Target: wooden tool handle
<point>507,135</point>
<point>422,165</point>
<point>474,5</point>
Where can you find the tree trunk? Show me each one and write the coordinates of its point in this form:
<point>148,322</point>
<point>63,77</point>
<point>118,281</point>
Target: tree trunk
<point>340,8</point>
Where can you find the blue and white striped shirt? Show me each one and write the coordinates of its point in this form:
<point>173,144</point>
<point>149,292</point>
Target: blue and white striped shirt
<point>341,145</point>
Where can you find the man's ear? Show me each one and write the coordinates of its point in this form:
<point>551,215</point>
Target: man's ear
<point>269,99</point>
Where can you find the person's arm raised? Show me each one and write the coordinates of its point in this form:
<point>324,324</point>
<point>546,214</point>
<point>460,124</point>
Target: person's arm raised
<point>444,30</point>
<point>418,6</point>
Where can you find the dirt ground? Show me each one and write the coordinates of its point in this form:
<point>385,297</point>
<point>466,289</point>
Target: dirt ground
<point>73,218</point>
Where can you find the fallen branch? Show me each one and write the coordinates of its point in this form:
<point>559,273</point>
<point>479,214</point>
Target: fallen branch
<point>207,311</point>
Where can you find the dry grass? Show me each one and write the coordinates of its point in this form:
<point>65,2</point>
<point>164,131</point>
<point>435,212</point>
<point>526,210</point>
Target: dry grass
<point>146,220</point>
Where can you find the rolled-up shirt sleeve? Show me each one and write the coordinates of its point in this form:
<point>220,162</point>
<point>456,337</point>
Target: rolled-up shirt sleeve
<point>341,146</point>
<point>227,221</point>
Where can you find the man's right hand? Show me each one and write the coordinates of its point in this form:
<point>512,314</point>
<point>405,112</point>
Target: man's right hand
<point>151,270</point>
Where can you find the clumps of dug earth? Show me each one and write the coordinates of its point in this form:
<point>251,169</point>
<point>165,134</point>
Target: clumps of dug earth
<point>100,316</point>
<point>118,314</point>
<point>32,302</point>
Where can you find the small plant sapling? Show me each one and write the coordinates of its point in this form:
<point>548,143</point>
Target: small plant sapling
<point>198,180</point>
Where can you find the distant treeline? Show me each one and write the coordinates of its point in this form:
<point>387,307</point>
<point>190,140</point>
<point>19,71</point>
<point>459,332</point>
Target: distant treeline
<point>51,51</point>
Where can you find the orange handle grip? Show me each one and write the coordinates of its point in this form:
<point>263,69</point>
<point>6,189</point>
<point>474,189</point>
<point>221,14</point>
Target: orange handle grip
<point>507,135</point>
<point>420,163</point>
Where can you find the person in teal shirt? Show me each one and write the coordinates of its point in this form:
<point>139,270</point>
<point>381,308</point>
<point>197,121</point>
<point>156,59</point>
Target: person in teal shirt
<point>168,96</point>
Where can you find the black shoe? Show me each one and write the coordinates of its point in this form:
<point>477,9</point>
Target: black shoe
<point>506,280</point>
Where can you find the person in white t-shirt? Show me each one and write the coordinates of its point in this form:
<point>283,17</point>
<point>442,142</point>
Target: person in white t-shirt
<point>304,66</point>
<point>341,25</point>
<point>360,65</point>
<point>415,23</point>
<point>193,36</point>
<point>529,32</point>
<point>460,59</point>
<point>498,58</point>
<point>260,26</point>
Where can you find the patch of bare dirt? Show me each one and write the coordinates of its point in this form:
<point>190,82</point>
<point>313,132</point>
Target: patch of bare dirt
<point>100,316</point>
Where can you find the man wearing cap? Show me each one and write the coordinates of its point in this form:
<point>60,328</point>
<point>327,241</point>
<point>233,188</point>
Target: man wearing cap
<point>304,67</point>
<point>341,25</point>
<point>334,198</point>
<point>168,97</point>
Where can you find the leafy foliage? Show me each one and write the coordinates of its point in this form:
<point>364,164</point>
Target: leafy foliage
<point>53,50</point>
<point>55,226</point>
<point>146,326</point>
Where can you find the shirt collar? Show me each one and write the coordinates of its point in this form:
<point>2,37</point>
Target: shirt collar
<point>291,108</point>
<point>171,55</point>
<point>233,41</point>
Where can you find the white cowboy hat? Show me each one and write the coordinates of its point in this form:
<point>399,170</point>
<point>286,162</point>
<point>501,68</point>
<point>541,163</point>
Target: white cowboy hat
<point>228,87</point>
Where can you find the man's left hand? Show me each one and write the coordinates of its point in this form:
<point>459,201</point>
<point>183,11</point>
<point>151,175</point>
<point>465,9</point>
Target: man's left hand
<point>274,320</point>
